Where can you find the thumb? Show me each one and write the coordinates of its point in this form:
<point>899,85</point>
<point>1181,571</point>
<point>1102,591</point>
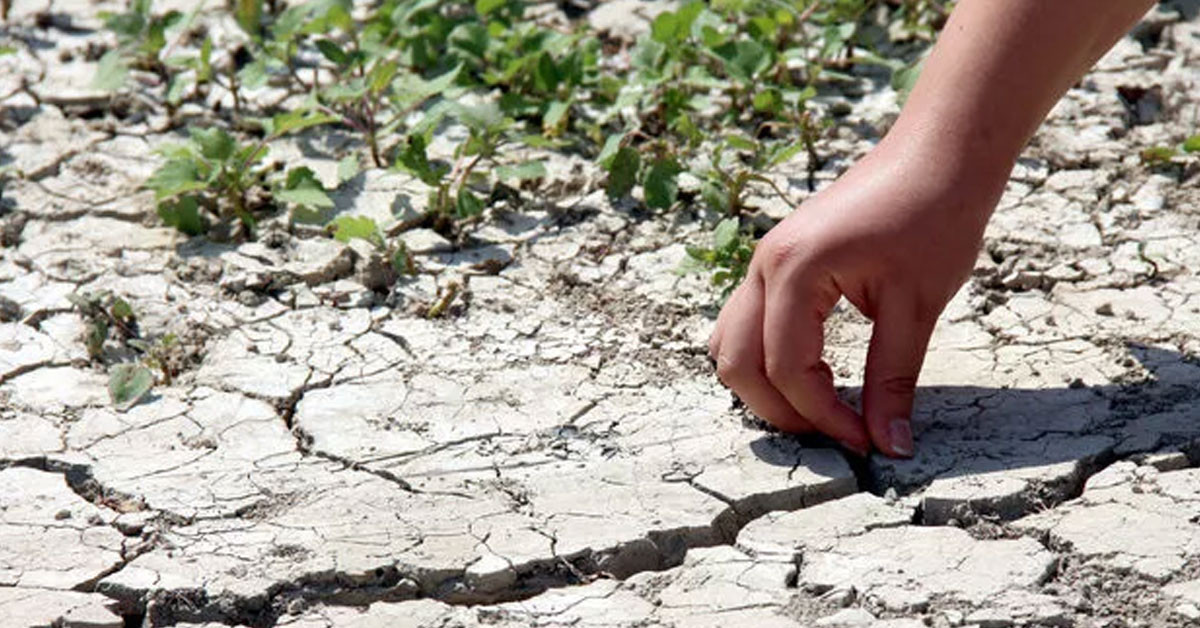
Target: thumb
<point>898,344</point>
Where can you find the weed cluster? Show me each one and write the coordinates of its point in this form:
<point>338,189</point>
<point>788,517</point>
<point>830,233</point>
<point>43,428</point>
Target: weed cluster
<point>111,336</point>
<point>719,89</point>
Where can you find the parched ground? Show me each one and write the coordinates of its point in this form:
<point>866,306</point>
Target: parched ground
<point>555,451</point>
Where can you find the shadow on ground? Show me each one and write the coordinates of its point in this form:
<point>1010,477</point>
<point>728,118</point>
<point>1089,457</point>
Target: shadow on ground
<point>1003,452</point>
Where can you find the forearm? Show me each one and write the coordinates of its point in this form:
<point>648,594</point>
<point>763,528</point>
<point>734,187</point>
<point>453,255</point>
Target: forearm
<point>997,69</point>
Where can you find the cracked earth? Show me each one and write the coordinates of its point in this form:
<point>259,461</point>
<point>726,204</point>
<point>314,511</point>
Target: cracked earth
<point>556,451</point>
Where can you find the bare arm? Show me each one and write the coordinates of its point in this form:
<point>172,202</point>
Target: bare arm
<point>998,68</point>
<point>898,234</point>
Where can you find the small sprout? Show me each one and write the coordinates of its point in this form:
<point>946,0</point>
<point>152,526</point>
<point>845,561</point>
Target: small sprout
<point>445,298</point>
<point>346,228</point>
<point>102,312</point>
<point>128,382</point>
<point>1158,155</point>
<point>728,258</point>
<point>402,259</point>
<point>165,355</point>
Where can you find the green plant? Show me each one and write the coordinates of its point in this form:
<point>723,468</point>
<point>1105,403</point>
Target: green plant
<point>454,198</point>
<point>721,90</point>
<point>736,163</point>
<point>104,315</point>
<point>214,175</point>
<point>1162,155</point>
<point>164,354</point>
<point>128,384</point>
<point>346,228</point>
<point>445,299</point>
<point>141,38</point>
<point>108,317</point>
<point>728,258</point>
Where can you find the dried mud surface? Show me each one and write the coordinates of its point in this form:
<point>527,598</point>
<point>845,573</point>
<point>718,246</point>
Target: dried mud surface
<point>556,450</point>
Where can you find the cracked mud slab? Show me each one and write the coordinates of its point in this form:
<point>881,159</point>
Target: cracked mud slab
<point>556,451</point>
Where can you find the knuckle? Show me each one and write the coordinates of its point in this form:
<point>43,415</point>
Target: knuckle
<point>777,254</point>
<point>730,368</point>
<point>778,370</point>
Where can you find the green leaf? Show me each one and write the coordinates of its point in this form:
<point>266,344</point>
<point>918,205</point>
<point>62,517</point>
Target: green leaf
<point>298,120</point>
<point>306,195</point>
<point>176,87</point>
<point>470,38</point>
<point>332,51</point>
<point>622,172</point>
<point>725,234</point>
<point>121,310</point>
<point>611,145</point>
<point>251,154</point>
<point>1192,144</point>
<point>348,168</point>
<point>716,196</point>
<point>745,59</point>
<point>304,188</point>
<point>95,333</point>
<point>128,384</point>
<point>522,171</point>
<point>413,160</point>
<point>673,28</point>
<point>545,74</point>
<point>110,72</point>
<point>660,186</point>
<point>127,26</point>
<point>402,260</point>
<point>739,142</point>
<point>254,74</point>
<point>380,77</point>
<point>556,115</point>
<point>782,153</point>
<point>769,100</point>
<point>204,71</point>
<point>467,204</point>
<point>482,118</point>
<point>484,7</point>
<point>1156,155</point>
<point>249,16</point>
<point>346,228</point>
<point>183,214</point>
<point>175,177</point>
<point>214,143</point>
<point>836,36</point>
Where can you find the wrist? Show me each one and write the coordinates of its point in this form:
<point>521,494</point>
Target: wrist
<point>966,164</point>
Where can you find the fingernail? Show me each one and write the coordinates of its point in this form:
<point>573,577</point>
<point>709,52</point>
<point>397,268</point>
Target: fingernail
<point>900,433</point>
<point>861,450</point>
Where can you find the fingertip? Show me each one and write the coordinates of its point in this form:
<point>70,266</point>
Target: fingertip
<point>900,436</point>
<point>891,432</point>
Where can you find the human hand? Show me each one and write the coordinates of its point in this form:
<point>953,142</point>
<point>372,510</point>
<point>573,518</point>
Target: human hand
<point>897,235</point>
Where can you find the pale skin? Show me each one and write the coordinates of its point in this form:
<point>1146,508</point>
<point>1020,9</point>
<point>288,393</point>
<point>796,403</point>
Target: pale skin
<point>899,232</point>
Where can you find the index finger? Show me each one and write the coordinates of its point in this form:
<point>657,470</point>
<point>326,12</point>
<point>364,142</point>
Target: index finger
<point>793,339</point>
